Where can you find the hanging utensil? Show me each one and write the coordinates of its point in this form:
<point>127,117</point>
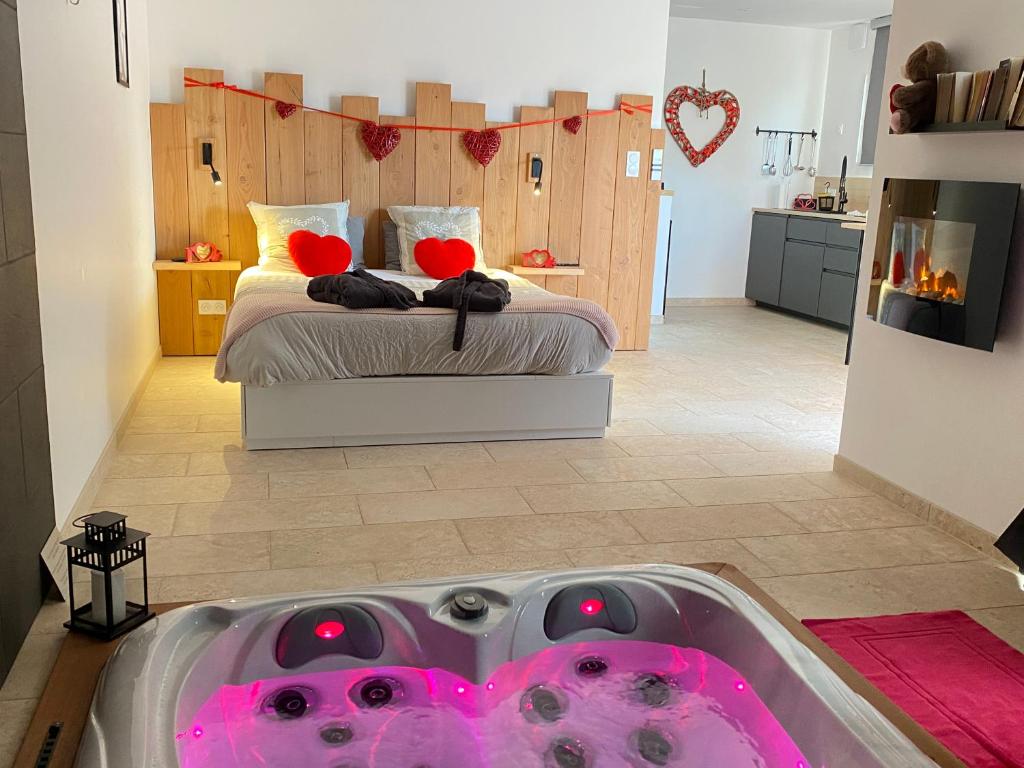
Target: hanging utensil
<point>764,154</point>
<point>800,154</point>
<point>813,171</point>
<point>775,149</point>
<point>787,167</point>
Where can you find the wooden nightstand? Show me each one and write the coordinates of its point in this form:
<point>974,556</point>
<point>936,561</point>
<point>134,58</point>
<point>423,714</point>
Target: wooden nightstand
<point>561,279</point>
<point>193,300</point>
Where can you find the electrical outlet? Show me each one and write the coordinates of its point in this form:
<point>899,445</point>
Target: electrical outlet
<point>657,161</point>
<point>213,307</point>
<point>632,164</point>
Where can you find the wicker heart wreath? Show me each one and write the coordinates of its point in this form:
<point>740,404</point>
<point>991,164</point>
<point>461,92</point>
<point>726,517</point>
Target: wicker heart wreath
<point>704,100</point>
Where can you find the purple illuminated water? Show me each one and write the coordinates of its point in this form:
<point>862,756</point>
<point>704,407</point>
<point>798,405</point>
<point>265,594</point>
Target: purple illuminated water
<point>654,704</point>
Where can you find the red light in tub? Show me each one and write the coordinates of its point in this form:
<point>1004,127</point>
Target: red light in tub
<point>591,607</point>
<point>328,630</point>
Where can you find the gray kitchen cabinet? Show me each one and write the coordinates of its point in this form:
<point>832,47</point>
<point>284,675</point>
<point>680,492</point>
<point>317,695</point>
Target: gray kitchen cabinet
<point>801,277</point>
<point>835,299</point>
<point>764,268</point>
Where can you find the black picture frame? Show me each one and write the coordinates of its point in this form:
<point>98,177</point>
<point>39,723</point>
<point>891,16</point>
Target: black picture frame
<point>121,42</point>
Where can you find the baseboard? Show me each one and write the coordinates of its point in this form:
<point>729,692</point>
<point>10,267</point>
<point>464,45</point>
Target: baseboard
<point>946,521</point>
<point>711,302</point>
<point>83,504</point>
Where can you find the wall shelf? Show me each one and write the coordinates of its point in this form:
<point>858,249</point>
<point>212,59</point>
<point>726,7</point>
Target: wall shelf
<point>988,126</point>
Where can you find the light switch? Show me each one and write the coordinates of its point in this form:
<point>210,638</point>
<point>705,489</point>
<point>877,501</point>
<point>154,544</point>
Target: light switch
<point>213,307</point>
<point>657,160</point>
<point>632,164</point>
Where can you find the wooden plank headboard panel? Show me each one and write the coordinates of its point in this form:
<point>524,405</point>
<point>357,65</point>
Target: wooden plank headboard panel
<point>588,212</point>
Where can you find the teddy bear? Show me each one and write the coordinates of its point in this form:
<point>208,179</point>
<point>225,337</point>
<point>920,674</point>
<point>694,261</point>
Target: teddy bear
<point>914,105</point>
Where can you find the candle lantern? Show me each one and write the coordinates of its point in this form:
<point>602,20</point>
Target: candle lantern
<point>105,547</point>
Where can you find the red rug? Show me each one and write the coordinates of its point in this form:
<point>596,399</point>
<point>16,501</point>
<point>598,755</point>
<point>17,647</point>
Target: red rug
<point>954,677</point>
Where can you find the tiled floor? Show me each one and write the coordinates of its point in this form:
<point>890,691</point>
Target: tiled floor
<point>721,450</point>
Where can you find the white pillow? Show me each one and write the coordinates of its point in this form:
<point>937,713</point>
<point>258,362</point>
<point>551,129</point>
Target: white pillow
<point>275,222</point>
<point>418,222</point>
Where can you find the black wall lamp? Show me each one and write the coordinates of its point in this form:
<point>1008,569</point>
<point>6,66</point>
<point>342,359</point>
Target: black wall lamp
<point>208,160</point>
<point>1011,543</point>
<point>536,171</point>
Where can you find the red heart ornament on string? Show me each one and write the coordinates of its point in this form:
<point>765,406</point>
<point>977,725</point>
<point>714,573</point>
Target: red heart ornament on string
<point>284,109</point>
<point>315,255</point>
<point>380,140</point>
<point>703,100</point>
<point>442,259</point>
<point>573,124</point>
<point>482,145</point>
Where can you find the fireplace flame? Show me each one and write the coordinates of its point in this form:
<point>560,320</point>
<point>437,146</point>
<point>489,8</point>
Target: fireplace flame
<point>943,283</point>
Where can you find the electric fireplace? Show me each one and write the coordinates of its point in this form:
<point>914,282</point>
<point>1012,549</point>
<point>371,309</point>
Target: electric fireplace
<point>940,258</point>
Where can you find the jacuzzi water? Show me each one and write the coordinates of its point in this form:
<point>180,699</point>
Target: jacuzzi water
<point>612,703</point>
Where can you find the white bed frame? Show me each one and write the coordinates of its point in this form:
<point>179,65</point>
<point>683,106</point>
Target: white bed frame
<point>426,409</point>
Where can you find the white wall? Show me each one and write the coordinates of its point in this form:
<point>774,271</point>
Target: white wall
<point>944,422</point>
<point>778,75</point>
<point>849,66</point>
<point>88,141</point>
<point>501,54</point>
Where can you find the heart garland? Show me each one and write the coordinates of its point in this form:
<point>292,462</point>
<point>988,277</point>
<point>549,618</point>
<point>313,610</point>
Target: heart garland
<point>284,109</point>
<point>482,145</point>
<point>380,140</point>
<point>573,124</point>
<point>703,99</point>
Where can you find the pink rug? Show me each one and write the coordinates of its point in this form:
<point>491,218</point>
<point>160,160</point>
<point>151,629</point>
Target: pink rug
<point>950,674</point>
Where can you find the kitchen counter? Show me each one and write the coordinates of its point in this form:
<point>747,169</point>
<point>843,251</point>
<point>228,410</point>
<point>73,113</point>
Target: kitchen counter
<point>811,214</point>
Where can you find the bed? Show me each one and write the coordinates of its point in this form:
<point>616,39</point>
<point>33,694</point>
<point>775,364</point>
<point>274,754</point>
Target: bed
<point>316,374</point>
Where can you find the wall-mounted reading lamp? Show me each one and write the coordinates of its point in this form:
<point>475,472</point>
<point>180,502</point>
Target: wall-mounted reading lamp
<point>536,171</point>
<point>208,160</point>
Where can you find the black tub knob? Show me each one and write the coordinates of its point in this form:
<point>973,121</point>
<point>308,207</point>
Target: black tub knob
<point>467,606</point>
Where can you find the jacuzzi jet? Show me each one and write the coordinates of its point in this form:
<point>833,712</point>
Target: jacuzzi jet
<point>592,666</point>
<point>376,692</point>
<point>653,747</point>
<point>289,703</point>
<point>567,753</point>
<point>542,705</point>
<point>654,690</point>
<point>336,735</point>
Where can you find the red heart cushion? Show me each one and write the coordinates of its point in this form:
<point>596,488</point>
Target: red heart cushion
<point>315,255</point>
<point>442,259</point>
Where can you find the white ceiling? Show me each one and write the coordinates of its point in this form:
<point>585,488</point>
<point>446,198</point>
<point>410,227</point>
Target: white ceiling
<point>787,13</point>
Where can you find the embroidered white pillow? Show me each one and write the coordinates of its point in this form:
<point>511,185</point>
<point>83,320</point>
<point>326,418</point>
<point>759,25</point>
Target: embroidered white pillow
<point>275,222</point>
<point>418,222</point>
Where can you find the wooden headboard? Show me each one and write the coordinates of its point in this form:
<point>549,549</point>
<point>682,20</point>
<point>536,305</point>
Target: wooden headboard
<point>588,213</point>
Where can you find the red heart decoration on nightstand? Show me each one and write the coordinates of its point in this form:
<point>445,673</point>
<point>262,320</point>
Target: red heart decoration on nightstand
<point>284,109</point>
<point>380,140</point>
<point>703,100</point>
<point>315,255</point>
<point>482,145</point>
<point>442,259</point>
<point>573,124</point>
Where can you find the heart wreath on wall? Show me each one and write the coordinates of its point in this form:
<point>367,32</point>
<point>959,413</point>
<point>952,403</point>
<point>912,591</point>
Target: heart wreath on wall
<point>703,99</point>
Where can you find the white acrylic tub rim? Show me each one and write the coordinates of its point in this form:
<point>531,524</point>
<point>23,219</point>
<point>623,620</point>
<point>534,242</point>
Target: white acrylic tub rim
<point>165,669</point>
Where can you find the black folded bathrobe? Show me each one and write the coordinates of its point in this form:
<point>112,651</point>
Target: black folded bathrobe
<point>469,292</point>
<point>359,289</point>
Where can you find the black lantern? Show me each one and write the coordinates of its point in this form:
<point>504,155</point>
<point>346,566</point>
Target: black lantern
<point>107,546</point>
<point>1011,543</point>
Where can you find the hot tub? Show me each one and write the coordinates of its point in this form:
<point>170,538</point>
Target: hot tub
<point>637,666</point>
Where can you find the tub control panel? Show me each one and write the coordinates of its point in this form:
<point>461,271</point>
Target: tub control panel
<point>347,630</point>
<point>589,606</point>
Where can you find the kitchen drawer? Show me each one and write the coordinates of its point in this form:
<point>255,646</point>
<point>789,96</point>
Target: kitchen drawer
<point>841,260</point>
<point>801,228</point>
<point>844,238</point>
<point>835,300</point>
<point>801,277</point>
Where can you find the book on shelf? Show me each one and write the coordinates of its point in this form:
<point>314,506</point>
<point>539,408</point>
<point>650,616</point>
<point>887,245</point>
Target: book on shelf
<point>961,95</point>
<point>980,85</point>
<point>944,97</point>
<point>995,92</point>
<point>1017,113</point>
<point>1015,68</point>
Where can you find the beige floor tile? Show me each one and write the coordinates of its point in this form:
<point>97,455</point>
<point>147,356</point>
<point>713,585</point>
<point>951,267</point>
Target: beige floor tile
<point>740,408</point>
<point>771,462</point>
<point>266,515</point>
<point>847,513</point>
<point>631,428</point>
<point>678,553</point>
<point>827,440</point>
<point>681,445</point>
<point>219,422</point>
<point>696,523</point>
<point>747,490</point>
<point>148,465</point>
<point>1007,623</point>
<point>537,450</point>
<point>223,552</point>
<point>219,586</point>
<point>151,425</point>
<point>156,519</point>
<point>599,497</point>
<point>180,490</point>
<point>836,485</point>
<point>857,550</point>
<point>197,406</point>
<point>51,617</point>
<point>339,482</point>
<point>905,589</point>
<point>246,462</point>
<point>502,473</point>
<point>15,715</point>
<point>181,443</point>
<point>172,391</point>
<point>804,422</point>
<point>31,669</point>
<point>416,455</point>
<point>644,468</point>
<point>541,532</point>
<point>365,544</point>
<point>696,424</point>
<point>441,505</point>
<point>472,565</point>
